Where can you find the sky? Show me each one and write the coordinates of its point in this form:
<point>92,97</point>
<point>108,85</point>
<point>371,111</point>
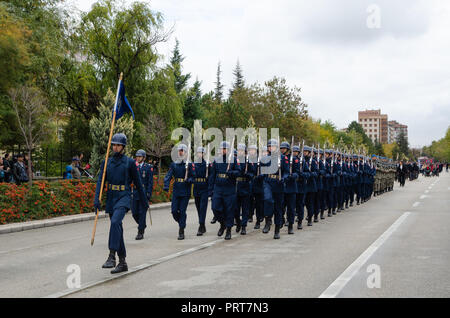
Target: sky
<point>346,55</point>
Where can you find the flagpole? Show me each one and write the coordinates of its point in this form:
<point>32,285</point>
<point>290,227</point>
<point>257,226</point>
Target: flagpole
<point>106,157</point>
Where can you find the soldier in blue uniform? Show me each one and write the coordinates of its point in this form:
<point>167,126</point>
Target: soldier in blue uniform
<point>244,191</point>
<point>346,177</point>
<point>146,173</point>
<point>290,185</point>
<point>256,186</point>
<point>276,174</point>
<point>359,176</point>
<point>319,204</point>
<point>311,185</point>
<point>121,171</point>
<point>201,189</point>
<point>222,188</point>
<point>181,187</point>
<point>302,185</point>
<point>329,181</point>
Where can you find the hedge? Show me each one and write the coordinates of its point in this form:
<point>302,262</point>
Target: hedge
<point>57,198</point>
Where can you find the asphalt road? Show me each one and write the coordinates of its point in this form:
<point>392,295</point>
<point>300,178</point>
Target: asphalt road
<point>395,245</point>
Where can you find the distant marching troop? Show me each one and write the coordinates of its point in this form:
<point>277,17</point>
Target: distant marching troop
<point>241,184</point>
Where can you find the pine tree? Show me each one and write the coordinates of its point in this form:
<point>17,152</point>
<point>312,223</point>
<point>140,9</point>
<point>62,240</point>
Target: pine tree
<point>100,126</point>
<point>218,91</point>
<point>175,62</point>
<point>239,81</point>
<point>192,108</point>
<point>402,143</point>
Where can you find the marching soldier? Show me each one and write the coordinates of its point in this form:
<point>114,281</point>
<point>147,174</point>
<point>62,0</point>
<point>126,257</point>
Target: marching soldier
<point>257,185</point>
<point>181,171</point>
<point>318,206</point>
<point>311,185</point>
<point>201,189</point>
<point>146,173</point>
<point>273,187</point>
<point>222,188</point>
<point>243,190</point>
<point>121,171</point>
<point>304,174</point>
<point>329,182</point>
<point>290,185</point>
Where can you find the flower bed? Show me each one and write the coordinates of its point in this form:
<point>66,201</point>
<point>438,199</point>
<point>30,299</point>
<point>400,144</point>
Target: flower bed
<point>50,199</point>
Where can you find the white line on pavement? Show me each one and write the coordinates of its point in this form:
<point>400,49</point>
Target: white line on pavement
<point>423,196</point>
<point>336,287</point>
<point>416,204</point>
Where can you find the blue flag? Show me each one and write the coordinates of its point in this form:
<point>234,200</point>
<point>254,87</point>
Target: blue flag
<point>123,106</point>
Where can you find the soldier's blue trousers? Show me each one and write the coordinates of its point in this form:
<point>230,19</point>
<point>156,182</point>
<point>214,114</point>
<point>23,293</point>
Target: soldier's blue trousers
<point>310,202</point>
<point>330,199</point>
<point>258,205</point>
<point>115,241</point>
<point>300,205</point>
<point>223,207</point>
<point>242,204</point>
<point>290,202</point>
<point>201,203</point>
<point>139,214</point>
<point>179,206</point>
<point>273,204</point>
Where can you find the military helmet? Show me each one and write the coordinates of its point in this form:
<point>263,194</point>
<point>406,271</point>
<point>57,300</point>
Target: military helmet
<point>141,153</point>
<point>285,145</point>
<point>241,147</point>
<point>321,151</point>
<point>119,139</point>
<point>307,148</point>
<point>224,145</point>
<point>252,147</point>
<point>182,147</point>
<point>200,149</point>
<point>272,142</point>
<point>296,148</point>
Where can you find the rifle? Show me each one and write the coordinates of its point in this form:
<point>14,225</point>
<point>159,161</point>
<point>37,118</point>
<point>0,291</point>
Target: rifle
<point>310,159</point>
<point>279,159</point>
<point>187,163</point>
<point>302,157</point>
<point>332,159</point>
<point>207,161</point>
<point>231,154</point>
<point>292,156</point>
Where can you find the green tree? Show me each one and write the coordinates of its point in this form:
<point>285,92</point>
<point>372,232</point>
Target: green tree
<point>239,81</point>
<point>175,63</point>
<point>218,91</point>
<point>402,143</point>
<point>100,128</point>
<point>192,108</point>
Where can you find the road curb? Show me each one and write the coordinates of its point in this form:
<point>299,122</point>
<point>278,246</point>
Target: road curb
<point>60,220</point>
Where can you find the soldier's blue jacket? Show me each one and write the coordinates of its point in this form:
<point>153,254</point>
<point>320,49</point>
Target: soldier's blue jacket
<point>199,176</point>
<point>121,171</point>
<point>329,177</point>
<point>311,185</point>
<point>321,175</point>
<point>338,173</point>
<point>304,174</point>
<point>222,180</point>
<point>273,179</point>
<point>146,173</point>
<point>290,185</point>
<point>257,181</point>
<point>181,187</point>
<point>244,179</point>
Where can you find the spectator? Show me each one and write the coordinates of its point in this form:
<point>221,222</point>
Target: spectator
<point>75,171</point>
<point>7,167</point>
<point>2,171</point>
<point>68,173</point>
<point>19,170</point>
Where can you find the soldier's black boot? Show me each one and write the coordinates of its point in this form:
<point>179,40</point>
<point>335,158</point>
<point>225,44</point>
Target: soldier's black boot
<point>321,215</point>
<point>250,219</point>
<point>276,235</point>
<point>334,211</point>
<point>228,234</point>
<point>291,228</point>
<point>243,231</point>
<point>111,261</point>
<point>181,234</point>
<point>310,222</point>
<point>316,218</point>
<point>140,235</point>
<point>329,213</point>
<point>238,226</point>
<point>346,205</point>
<point>299,225</point>
<point>121,267</point>
<point>257,225</point>
<point>221,230</point>
<point>266,228</point>
<point>214,220</point>
<point>200,230</point>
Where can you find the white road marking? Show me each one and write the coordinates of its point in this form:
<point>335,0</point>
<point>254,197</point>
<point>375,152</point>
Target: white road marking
<point>416,204</point>
<point>426,191</point>
<point>135,269</point>
<point>423,196</point>
<point>336,287</point>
